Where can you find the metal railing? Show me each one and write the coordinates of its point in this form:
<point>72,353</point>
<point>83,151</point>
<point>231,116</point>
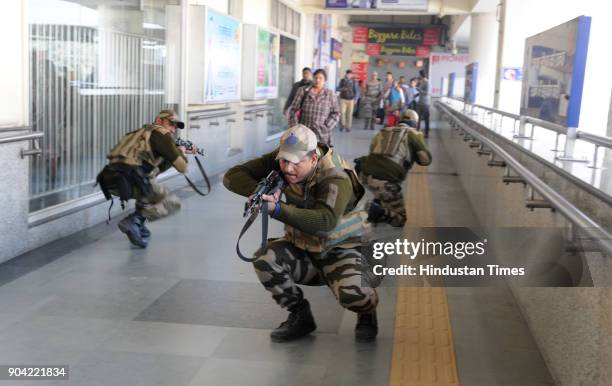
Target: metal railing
<point>550,197</point>
<point>523,121</point>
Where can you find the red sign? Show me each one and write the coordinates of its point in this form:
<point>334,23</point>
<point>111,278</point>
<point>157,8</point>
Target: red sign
<point>360,34</point>
<point>360,70</point>
<point>431,36</point>
<point>422,51</point>
<point>373,49</point>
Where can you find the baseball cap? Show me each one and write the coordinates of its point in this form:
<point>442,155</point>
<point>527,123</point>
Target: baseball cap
<point>296,142</point>
<point>172,117</point>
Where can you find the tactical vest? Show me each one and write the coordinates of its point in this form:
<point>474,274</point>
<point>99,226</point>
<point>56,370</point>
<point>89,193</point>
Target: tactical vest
<point>350,226</point>
<point>392,143</point>
<point>135,148</point>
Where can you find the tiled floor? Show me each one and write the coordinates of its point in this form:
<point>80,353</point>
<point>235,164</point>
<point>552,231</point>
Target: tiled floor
<point>187,311</point>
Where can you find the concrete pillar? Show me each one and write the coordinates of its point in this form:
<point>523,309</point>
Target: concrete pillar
<point>483,50</point>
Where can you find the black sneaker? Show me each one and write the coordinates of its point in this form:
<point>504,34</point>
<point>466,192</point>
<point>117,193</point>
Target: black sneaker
<point>367,326</point>
<point>376,213</point>
<point>299,323</point>
<point>132,230</point>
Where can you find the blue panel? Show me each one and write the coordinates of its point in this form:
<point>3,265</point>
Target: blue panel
<point>579,68</point>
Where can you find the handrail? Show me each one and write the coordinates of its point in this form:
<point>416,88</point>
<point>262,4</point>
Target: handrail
<point>595,139</point>
<point>16,128</point>
<point>500,112</point>
<point>566,208</point>
<point>258,110</point>
<point>21,137</point>
<point>545,124</point>
<point>200,116</point>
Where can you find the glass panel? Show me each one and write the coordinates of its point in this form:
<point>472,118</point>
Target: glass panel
<point>96,72</point>
<point>276,120</point>
<point>274,13</point>
<point>296,24</point>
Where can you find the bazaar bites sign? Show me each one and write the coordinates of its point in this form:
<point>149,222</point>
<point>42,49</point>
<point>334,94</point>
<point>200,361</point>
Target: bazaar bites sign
<point>403,36</point>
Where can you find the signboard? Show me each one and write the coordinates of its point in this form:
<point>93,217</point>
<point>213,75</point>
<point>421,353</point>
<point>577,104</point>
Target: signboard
<point>471,76</point>
<point>441,64</point>
<point>222,59</point>
<point>422,52</point>
<point>395,5</point>
<point>259,63</point>
<point>336,49</point>
<point>402,36</point>
<point>373,49</point>
<point>554,67</point>
<point>360,34</point>
<point>360,71</point>
<point>512,73</point>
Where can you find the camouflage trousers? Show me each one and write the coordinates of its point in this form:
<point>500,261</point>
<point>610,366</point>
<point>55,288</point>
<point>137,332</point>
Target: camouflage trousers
<point>282,266</point>
<point>390,196</point>
<point>160,203</point>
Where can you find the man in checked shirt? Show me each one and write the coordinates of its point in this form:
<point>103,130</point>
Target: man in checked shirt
<point>316,107</point>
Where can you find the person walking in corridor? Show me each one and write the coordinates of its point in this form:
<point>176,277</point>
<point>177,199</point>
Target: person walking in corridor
<point>423,102</point>
<point>371,101</point>
<point>305,81</point>
<point>316,107</point>
<point>348,93</point>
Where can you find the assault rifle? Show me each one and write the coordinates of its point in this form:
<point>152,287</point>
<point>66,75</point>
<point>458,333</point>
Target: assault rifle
<point>188,145</point>
<point>255,204</point>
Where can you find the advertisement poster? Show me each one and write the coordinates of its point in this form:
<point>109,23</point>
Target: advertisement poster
<point>471,76</point>
<point>441,64</point>
<point>554,68</point>
<point>336,49</point>
<point>223,58</point>
<point>322,41</point>
<point>266,85</point>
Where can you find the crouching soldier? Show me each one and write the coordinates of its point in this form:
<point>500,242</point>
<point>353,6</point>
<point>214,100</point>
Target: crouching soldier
<point>134,164</point>
<point>323,231</point>
<point>392,153</point>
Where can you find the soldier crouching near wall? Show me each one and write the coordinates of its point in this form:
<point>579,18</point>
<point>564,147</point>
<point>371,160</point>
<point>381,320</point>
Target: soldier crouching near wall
<point>323,229</point>
<point>393,151</point>
<point>134,163</point>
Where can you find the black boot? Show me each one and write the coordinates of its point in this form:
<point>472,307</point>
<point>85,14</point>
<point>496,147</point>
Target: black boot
<point>299,323</point>
<point>131,228</point>
<point>367,326</point>
<point>140,220</point>
<point>376,213</point>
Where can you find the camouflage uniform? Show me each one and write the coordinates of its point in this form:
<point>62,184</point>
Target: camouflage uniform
<point>134,164</point>
<point>392,153</point>
<point>324,225</point>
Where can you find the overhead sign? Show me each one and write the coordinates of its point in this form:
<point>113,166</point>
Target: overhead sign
<point>395,5</point>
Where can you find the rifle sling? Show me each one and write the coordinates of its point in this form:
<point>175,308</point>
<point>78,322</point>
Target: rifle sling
<point>264,232</point>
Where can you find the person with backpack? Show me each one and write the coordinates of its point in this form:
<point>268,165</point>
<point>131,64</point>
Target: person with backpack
<point>133,165</point>
<point>393,151</point>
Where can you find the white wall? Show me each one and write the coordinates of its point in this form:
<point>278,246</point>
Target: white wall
<point>218,5</point>
<point>524,19</point>
<point>14,88</point>
<point>483,50</point>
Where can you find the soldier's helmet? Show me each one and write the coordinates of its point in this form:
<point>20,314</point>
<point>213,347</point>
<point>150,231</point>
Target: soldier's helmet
<point>410,115</point>
<point>172,117</point>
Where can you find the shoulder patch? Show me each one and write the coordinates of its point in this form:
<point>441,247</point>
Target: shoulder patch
<point>332,195</point>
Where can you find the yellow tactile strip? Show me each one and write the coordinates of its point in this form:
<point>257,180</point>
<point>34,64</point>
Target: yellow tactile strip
<point>423,350</point>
